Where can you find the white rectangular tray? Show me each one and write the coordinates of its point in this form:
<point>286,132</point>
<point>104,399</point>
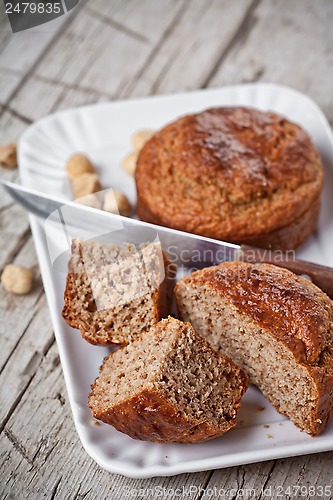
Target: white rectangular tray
<point>103,131</point>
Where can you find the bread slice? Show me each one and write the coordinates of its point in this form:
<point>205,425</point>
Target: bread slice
<point>169,385</point>
<point>115,292</point>
<point>277,326</point>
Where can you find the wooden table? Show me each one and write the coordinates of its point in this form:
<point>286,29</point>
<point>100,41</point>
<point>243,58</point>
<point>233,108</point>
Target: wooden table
<point>105,50</point>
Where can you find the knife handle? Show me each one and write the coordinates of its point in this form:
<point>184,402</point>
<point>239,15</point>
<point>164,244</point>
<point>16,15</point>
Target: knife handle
<point>321,276</point>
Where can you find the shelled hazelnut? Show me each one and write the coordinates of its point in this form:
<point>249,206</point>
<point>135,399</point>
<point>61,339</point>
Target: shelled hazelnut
<point>117,202</point>
<point>8,155</point>
<point>85,184</point>
<point>140,138</point>
<point>129,162</point>
<point>17,279</point>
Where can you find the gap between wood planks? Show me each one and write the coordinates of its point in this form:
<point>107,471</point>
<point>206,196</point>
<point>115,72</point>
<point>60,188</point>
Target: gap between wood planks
<point>20,395</point>
<point>205,484</point>
<point>154,53</point>
<point>239,38</point>
<point>21,241</point>
<point>269,475</point>
<point>152,56</point>
<point>36,303</point>
<point>53,40</point>
<point>118,26</point>
<point>16,114</point>
<point>185,64</point>
<point>119,92</point>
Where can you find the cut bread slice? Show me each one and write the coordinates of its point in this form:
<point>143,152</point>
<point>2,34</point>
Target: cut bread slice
<point>168,386</point>
<point>115,292</point>
<point>277,326</point>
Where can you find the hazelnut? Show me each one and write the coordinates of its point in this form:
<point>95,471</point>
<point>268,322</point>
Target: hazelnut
<point>129,162</point>
<point>8,157</point>
<point>140,138</point>
<point>91,200</point>
<point>85,184</point>
<point>79,164</point>
<point>17,279</point>
<point>117,202</point>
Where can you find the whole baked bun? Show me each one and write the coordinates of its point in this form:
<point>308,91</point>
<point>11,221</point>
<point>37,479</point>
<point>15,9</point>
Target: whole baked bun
<point>232,173</point>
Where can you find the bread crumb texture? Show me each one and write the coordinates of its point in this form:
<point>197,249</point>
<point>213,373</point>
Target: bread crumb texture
<point>168,385</point>
<point>277,326</point>
<point>115,292</point>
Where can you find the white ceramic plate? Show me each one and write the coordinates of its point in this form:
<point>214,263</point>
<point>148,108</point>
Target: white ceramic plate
<point>104,131</point>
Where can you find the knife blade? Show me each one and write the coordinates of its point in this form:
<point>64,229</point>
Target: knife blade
<point>80,220</point>
<point>186,250</point>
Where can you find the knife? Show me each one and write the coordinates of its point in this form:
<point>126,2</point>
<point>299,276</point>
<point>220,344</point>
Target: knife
<point>187,251</point>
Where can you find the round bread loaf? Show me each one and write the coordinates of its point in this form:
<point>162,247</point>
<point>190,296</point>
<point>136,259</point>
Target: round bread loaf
<point>232,173</point>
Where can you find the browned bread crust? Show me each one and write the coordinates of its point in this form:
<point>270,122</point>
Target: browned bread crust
<point>292,235</point>
<point>143,409</point>
<point>236,174</point>
<point>273,308</point>
<point>137,305</point>
<point>150,417</point>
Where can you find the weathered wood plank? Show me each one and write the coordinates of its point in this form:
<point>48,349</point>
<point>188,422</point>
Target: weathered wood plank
<point>15,230</point>
<point>105,71</point>
<point>25,359</point>
<point>76,67</point>
<point>20,52</point>
<point>79,96</point>
<point>5,199</point>
<point>18,311</point>
<point>11,127</point>
<point>8,81</point>
<point>191,50</point>
<point>74,64</point>
<point>289,43</point>
<point>313,470</point>
<point>45,403</point>
<point>235,481</point>
<point>42,97</point>
<point>13,467</point>
<point>275,479</point>
<point>139,19</point>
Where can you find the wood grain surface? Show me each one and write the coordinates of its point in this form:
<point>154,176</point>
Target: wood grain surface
<point>105,50</point>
